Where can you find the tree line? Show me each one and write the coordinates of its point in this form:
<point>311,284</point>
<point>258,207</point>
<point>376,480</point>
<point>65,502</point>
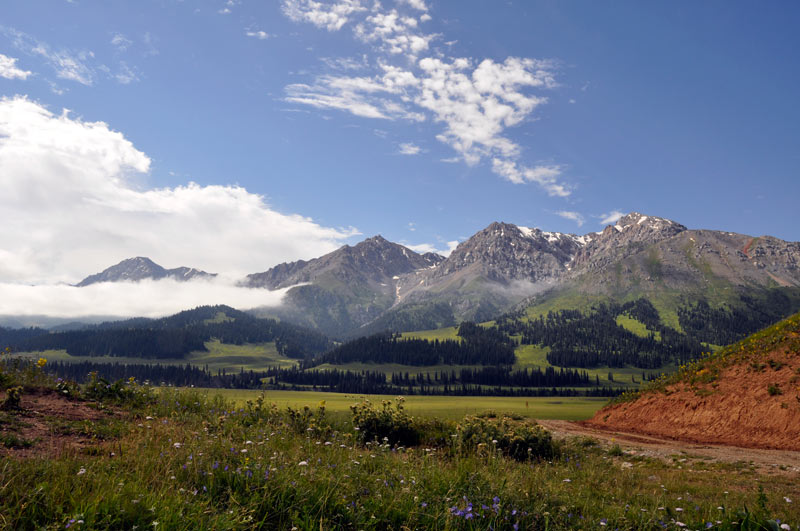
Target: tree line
<point>480,346</point>
<point>171,337</point>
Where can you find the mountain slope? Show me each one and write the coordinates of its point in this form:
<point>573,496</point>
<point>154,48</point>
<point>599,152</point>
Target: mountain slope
<point>141,268</point>
<point>746,395</point>
<point>344,289</point>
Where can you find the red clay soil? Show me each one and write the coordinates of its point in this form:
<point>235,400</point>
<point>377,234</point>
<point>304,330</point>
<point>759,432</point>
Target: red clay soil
<point>736,409</point>
<point>38,421</point>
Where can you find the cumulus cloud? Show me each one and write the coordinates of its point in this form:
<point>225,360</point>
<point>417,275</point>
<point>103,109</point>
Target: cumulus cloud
<point>408,148</point>
<point>611,217</point>
<point>9,69</point>
<point>71,207</point>
<point>331,16</point>
<point>147,298</point>
<point>476,102</point>
<point>573,216</point>
<point>416,4</point>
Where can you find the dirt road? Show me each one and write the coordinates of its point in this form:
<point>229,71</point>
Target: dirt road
<point>769,461</point>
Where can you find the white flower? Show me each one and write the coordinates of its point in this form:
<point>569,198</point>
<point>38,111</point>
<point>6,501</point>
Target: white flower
<point>177,445</point>
<point>148,418</point>
<point>302,463</point>
<point>787,500</point>
<point>787,527</point>
<point>82,471</point>
<point>567,480</point>
<point>680,524</point>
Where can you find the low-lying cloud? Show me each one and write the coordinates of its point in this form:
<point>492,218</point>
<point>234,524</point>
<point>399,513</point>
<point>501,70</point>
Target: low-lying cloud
<point>72,204</point>
<point>147,298</point>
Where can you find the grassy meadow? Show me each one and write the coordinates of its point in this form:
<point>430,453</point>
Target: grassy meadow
<point>442,407</point>
<point>189,459</point>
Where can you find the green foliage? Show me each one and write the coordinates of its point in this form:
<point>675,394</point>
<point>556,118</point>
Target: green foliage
<point>12,399</point>
<point>774,390</point>
<point>127,392</point>
<point>390,424</point>
<point>190,461</point>
<point>519,440</point>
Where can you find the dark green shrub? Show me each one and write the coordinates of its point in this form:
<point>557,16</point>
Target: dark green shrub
<point>390,424</point>
<point>12,400</point>
<point>124,392</point>
<point>520,440</point>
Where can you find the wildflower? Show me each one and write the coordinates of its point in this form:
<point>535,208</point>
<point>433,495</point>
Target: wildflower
<point>680,524</point>
<point>176,445</point>
<point>82,471</point>
<point>787,500</point>
<point>787,527</point>
<point>302,463</point>
<point>604,522</point>
<point>41,362</point>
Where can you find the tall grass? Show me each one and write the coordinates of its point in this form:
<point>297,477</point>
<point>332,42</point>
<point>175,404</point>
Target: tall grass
<point>192,461</point>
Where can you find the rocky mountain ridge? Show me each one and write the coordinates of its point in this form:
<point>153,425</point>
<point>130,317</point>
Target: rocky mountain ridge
<point>504,264</point>
<point>141,268</point>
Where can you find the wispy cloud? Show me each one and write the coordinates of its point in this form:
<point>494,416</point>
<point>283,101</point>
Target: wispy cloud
<point>9,69</point>
<point>572,216</point>
<point>69,65</point>
<point>69,208</point>
<point>257,34</point>
<point>407,148</point>
<point>611,217</point>
<point>121,42</point>
<point>476,102</point>
<point>126,74</point>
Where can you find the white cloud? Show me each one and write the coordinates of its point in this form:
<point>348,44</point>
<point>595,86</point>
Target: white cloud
<point>260,35</point>
<point>431,248</point>
<point>70,208</point>
<point>362,96</point>
<point>476,102</point>
<point>544,176</point>
<point>573,216</point>
<point>395,33</point>
<point>121,42</point>
<point>331,16</point>
<point>416,4</point>
<point>126,74</point>
<point>70,65</point>
<point>408,148</point>
<point>147,298</point>
<point>9,70</point>
<point>611,217</point>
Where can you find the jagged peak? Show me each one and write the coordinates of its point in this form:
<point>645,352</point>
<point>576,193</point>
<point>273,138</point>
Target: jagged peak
<point>637,219</point>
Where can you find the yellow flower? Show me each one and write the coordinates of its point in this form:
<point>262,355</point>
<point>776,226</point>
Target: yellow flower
<point>41,363</point>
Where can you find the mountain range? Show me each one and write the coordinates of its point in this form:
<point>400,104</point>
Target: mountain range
<point>378,284</point>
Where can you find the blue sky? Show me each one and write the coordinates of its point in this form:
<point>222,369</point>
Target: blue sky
<point>321,123</point>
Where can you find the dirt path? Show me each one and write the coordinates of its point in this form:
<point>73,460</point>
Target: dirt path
<point>768,461</point>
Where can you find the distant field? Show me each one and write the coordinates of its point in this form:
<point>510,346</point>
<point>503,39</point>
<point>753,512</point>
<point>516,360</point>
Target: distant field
<point>450,332</point>
<point>448,407</point>
<point>220,356</point>
<point>535,356</point>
